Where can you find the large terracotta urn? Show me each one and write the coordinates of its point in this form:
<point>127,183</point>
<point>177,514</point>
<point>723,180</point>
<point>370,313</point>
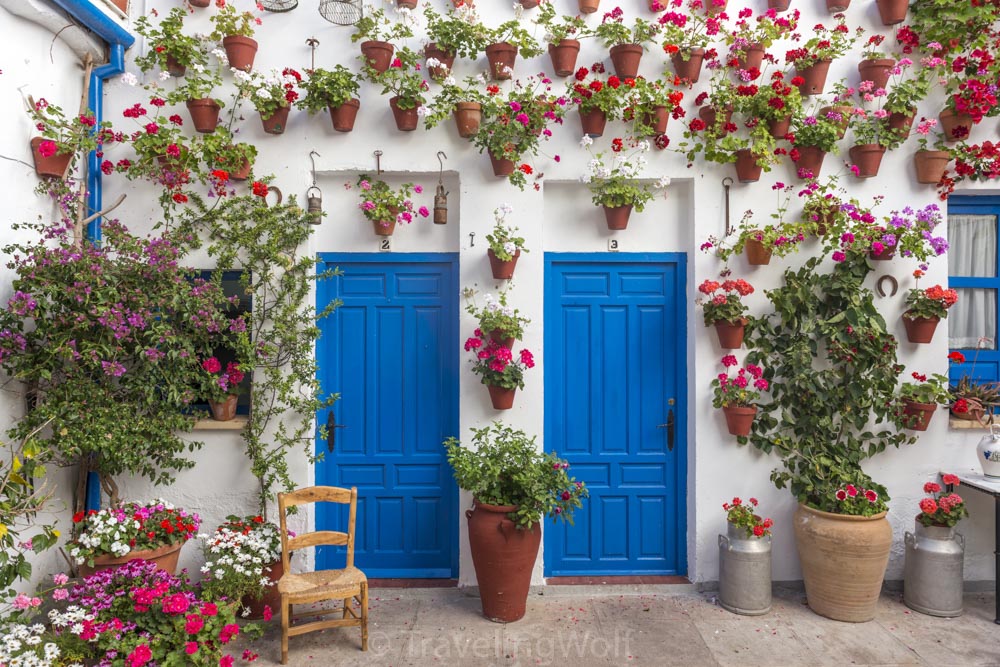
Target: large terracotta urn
<point>504,556</point>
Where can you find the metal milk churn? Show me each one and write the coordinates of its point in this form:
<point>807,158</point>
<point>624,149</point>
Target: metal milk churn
<point>744,572</point>
<point>933,572</point>
<point>988,452</point>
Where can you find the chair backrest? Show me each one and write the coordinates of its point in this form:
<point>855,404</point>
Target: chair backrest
<point>317,494</point>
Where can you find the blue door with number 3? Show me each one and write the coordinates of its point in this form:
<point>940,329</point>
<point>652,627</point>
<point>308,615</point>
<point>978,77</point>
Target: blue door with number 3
<point>391,351</point>
<point>615,351</point>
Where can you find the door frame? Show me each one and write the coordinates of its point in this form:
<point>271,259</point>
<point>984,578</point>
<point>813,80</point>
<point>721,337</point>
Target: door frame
<point>324,294</point>
<point>679,350</point>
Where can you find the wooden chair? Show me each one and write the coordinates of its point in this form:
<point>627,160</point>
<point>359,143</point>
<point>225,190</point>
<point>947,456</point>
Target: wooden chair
<point>305,588</point>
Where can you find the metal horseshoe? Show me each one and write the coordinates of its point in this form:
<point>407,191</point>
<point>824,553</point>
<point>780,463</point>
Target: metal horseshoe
<point>892,283</point>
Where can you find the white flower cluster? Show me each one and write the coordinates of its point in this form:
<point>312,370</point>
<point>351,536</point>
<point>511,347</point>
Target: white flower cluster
<point>22,645</point>
<point>231,552</point>
<point>494,306</point>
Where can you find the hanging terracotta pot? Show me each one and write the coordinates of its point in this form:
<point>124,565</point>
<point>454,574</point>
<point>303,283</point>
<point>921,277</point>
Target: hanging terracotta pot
<point>689,69</point>
<point>593,122</point>
<point>499,336</point>
<point>779,128</point>
<point>446,58</point>
<point>843,561</point>
<point>709,116</point>
<point>224,411</point>
<point>406,119</point>
<point>200,3</point>
<point>406,4</point>
<point>343,116</point>
<point>814,77</point>
<point>917,416</point>
<point>844,111</point>
<point>165,558</point>
<point>920,329</point>
<point>931,166</point>
<point>837,5</point>
<point>617,216</point>
<point>502,166</point>
<point>277,121</point>
<point>747,169</point>
<point>713,7</point>
<point>502,270</point>
<point>731,333</point>
<point>778,5</point>
<point>876,70</point>
<point>656,119</point>
<point>739,420</point>
<point>502,399</point>
<point>379,54</point>
<point>530,4</point>
<point>888,252</point>
<point>810,162</point>
<point>240,51</point>
<point>384,227</point>
<point>757,253</point>
<point>751,57</point>
<point>504,557</point>
<point>657,5</point>
<point>625,58</point>
<point>952,122</point>
<point>204,114</point>
<point>271,597</point>
<point>468,116</point>
<point>900,123</point>
<point>501,57</point>
<point>892,11</point>
<point>867,158</point>
<point>174,68</point>
<point>563,56</point>
<point>588,6</point>
<point>50,166</point>
<point>243,172</point>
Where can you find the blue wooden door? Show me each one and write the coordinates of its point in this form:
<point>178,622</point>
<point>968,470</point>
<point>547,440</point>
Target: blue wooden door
<point>614,378</point>
<point>391,351</point>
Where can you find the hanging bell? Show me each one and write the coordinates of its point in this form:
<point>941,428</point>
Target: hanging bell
<point>440,206</point>
<point>314,201</point>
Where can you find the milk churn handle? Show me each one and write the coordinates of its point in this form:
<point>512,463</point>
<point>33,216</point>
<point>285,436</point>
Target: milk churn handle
<point>724,542</point>
<point>910,539</point>
<point>960,538</point>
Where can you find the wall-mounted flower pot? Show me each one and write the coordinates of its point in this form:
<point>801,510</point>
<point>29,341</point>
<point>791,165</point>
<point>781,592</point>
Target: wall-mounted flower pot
<point>224,411</point>
<point>501,57</point>
<point>779,128</point>
<point>617,216</point>
<point>709,116</point>
<point>406,119</point>
<point>343,117</point>
<point>900,123</point>
<point>530,4</point>
<point>379,54</point>
<point>503,270</point>
<point>918,415</point>
<point>240,51</point>
<point>731,333</point>
<point>501,166</point>
<point>955,126</point>
<point>657,5</point>
<point>757,253</point>
<point>277,121</point>
<point>713,7</point>
<point>751,57</point>
<point>588,6</point>
<point>739,420</point>
<point>592,122</point>
<point>845,115</point>
<point>810,162</point>
<point>814,77</point>
<point>887,253</point>
<point>406,4</point>
<point>876,70</point>
<point>920,329</point>
<point>690,69</point>
<point>778,5</point>
<point>49,166</point>
<point>204,114</point>
<point>867,158</point>
<point>837,5</point>
<point>656,119</point>
<point>502,399</point>
<point>175,68</point>
<point>747,169</point>
<point>931,166</point>
<point>446,58</point>
<point>243,172</point>
<point>200,3</point>
<point>626,58</point>
<point>892,11</point>
<point>503,556</point>
<point>468,116</point>
<point>384,227</point>
<point>498,336</point>
<point>564,55</point>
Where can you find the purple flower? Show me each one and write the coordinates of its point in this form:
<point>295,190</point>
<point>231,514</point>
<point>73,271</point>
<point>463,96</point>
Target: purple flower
<point>113,368</point>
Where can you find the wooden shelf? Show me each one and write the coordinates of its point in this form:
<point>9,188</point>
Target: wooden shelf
<point>967,425</point>
<point>238,423</point>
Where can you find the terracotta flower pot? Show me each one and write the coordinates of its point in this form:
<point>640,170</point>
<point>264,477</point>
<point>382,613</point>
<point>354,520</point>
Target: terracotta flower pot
<point>867,158</point>
<point>468,116</point>
<point>175,68</point>
<point>815,77</point>
<point>751,57</point>
<point>529,4</point>
<point>931,165</point>
<point>731,333</point>
<point>779,128</point>
<point>593,122</point>
<point>690,69</point>
<point>446,58</point>
<point>892,11</point>
<point>164,557</point>
<point>271,597</point>
<point>501,166</point>
<point>876,70</point>
<point>757,253</point>
<point>920,329</point>
<point>49,166</point>
<point>845,116</point>
<point>204,114</point>
<point>656,119</point>
<point>563,56</point>
<point>379,54</point>
<point>778,5</point>
<point>497,336</point>
<point>837,5</point>
<point>277,121</point>
<point>343,117</point>
<point>384,227</point>
<point>617,216</point>
<point>588,6</point>
<point>900,123</point>
<point>503,556</point>
<point>739,420</point>
<point>501,57</point>
<point>240,51</point>
<point>406,4</point>
<point>886,254</point>
<point>502,270</point>
<point>709,116</point>
<point>243,172</point>
<point>747,169</point>
<point>406,119</point>
<point>918,415</point>
<point>223,411</point>
<point>810,162</point>
<point>955,126</point>
<point>502,399</point>
<point>200,3</point>
<point>843,561</point>
<point>713,7</point>
<point>625,58</point>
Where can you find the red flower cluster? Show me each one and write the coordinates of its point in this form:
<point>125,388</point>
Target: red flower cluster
<point>851,491</point>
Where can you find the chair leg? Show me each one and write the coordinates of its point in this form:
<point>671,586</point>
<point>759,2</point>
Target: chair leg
<point>347,604</point>
<point>364,616</point>
<point>286,615</point>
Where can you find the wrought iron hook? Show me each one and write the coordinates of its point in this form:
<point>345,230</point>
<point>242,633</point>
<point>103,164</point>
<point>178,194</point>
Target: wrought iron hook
<point>440,155</point>
<point>313,160</point>
<point>378,162</point>
<point>727,182</point>
<point>313,43</point>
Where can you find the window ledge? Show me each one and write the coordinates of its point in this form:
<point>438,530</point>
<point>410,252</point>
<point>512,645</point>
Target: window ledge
<point>237,423</point>
<point>965,424</point>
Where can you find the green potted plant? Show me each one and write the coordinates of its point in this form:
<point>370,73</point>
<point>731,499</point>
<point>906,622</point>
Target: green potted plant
<point>513,486</point>
<point>505,246</point>
<point>163,153</point>
<point>615,183</point>
<point>924,309</point>
<point>377,33</point>
<point>271,93</point>
<point>815,136</point>
<point>776,104</point>
<point>875,65</point>
<point>823,210</point>
<point>562,34</point>
<point>872,134</point>
<point>598,98</point>
<point>748,145</point>
<point>725,311</point>
<point>973,399</point>
<point>908,87</point>
<point>243,563</point>
<point>458,34</point>
<point>504,43</point>
<point>921,398</point>
<point>625,44</point>
<point>498,368</point>
<point>649,105</point>
<point>196,93</point>
<point>220,387</point>
<point>737,395</point>
<point>235,30</point>
<point>385,205</point>
<point>812,59</point>
<point>169,48</point>
<point>909,232</point>
<point>61,139</point>
<point>930,160</point>
<point>407,85</point>
<point>333,89</point>
<point>748,41</point>
<point>686,34</point>
<point>498,321</point>
<point>462,101</point>
<point>220,150</point>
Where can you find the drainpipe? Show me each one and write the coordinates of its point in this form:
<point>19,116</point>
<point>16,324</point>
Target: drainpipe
<point>118,39</point>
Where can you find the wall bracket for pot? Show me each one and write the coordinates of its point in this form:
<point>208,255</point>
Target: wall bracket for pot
<point>313,43</point>
<point>727,182</point>
<point>378,162</point>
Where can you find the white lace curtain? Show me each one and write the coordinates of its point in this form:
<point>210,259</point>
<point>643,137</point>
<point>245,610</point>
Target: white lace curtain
<point>972,252</point>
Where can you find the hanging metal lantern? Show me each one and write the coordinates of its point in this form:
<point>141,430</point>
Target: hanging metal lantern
<point>314,201</point>
<point>440,196</point>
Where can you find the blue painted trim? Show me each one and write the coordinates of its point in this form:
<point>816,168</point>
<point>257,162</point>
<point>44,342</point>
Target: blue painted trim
<point>97,21</point>
<point>386,257</point>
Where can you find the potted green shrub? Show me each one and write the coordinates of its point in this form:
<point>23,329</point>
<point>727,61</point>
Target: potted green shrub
<point>625,45</point>
<point>562,34</point>
<point>649,105</point>
<point>505,246</point>
<point>196,93</point>
<point>404,81</point>
<point>377,33</point>
<point>243,563</point>
<point>462,101</point>
<point>725,311</point>
<point>921,398</point>
<point>335,90</point>
<point>458,34</point>
<point>686,35</point>
<point>235,30</point>
<point>385,205</point>
<point>496,319</point>
<point>271,93</point>
<point>513,486</point>
<point>61,139</point>
<point>924,309</point>
<point>169,48</point>
<point>504,43</point>
<point>615,183</point>
<point>220,151</point>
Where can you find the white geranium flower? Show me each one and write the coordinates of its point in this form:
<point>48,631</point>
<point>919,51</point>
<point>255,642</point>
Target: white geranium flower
<point>585,141</point>
<point>130,79</point>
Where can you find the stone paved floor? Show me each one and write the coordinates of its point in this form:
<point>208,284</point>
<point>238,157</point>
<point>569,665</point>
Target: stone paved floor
<point>590,626</point>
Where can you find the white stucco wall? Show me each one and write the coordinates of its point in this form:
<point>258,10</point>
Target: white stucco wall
<point>557,218</point>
